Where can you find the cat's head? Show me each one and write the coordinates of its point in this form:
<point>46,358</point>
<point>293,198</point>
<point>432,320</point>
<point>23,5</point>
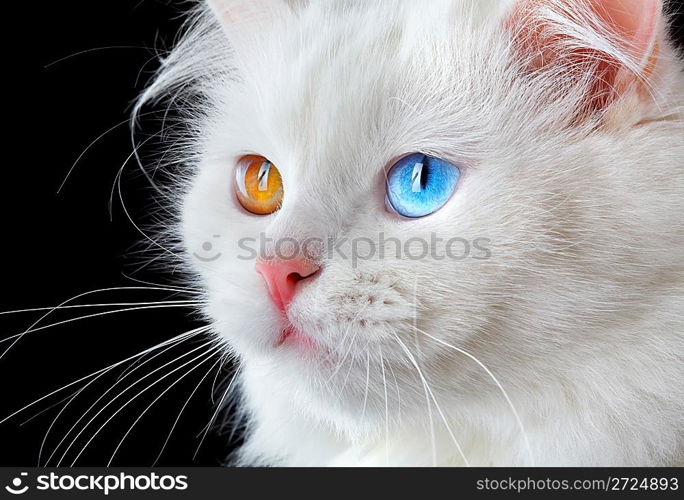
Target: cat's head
<point>497,152</point>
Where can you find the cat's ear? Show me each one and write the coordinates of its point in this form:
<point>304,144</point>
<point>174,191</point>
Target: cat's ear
<point>239,12</point>
<point>235,15</point>
<point>612,47</point>
<point>245,22</point>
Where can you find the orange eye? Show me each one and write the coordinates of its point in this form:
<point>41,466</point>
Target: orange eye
<point>258,186</point>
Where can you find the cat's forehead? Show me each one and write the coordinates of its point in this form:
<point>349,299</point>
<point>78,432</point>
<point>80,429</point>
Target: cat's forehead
<point>348,82</point>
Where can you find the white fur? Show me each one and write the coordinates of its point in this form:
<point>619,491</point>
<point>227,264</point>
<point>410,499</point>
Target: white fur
<point>579,314</point>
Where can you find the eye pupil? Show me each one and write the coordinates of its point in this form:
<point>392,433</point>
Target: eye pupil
<point>263,176</point>
<point>419,176</point>
<point>424,175</point>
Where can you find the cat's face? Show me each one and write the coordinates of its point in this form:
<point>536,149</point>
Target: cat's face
<point>334,98</point>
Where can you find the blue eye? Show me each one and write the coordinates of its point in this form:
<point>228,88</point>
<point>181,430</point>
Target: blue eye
<point>419,185</point>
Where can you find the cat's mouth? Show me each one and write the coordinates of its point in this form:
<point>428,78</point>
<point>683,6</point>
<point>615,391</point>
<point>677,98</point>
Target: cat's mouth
<point>292,337</point>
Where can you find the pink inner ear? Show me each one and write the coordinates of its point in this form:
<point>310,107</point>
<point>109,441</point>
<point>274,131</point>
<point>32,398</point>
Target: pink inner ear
<point>231,12</point>
<point>634,20</point>
<point>632,23</point>
<point>247,21</point>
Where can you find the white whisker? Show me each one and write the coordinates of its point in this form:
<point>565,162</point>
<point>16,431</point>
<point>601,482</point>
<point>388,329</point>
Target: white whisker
<point>122,407</point>
<point>178,340</point>
<point>76,297</point>
<point>96,373</point>
<point>218,409</point>
<point>218,364</point>
<point>365,392</point>
<point>117,186</point>
<point>387,429</point>
<point>104,304</point>
<point>98,139</point>
<point>18,336</point>
<point>165,391</point>
<point>434,400</point>
<point>416,341</point>
<point>185,289</point>
<point>396,384</point>
<point>95,49</point>
<point>121,393</point>
<point>498,384</point>
<point>351,343</point>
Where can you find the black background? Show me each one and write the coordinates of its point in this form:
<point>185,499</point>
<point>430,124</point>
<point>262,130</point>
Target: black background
<point>55,246</point>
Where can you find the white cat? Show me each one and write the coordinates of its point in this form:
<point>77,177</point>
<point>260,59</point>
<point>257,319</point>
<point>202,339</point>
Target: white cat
<point>549,131</point>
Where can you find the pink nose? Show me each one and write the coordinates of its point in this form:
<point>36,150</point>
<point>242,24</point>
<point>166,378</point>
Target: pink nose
<point>282,277</point>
